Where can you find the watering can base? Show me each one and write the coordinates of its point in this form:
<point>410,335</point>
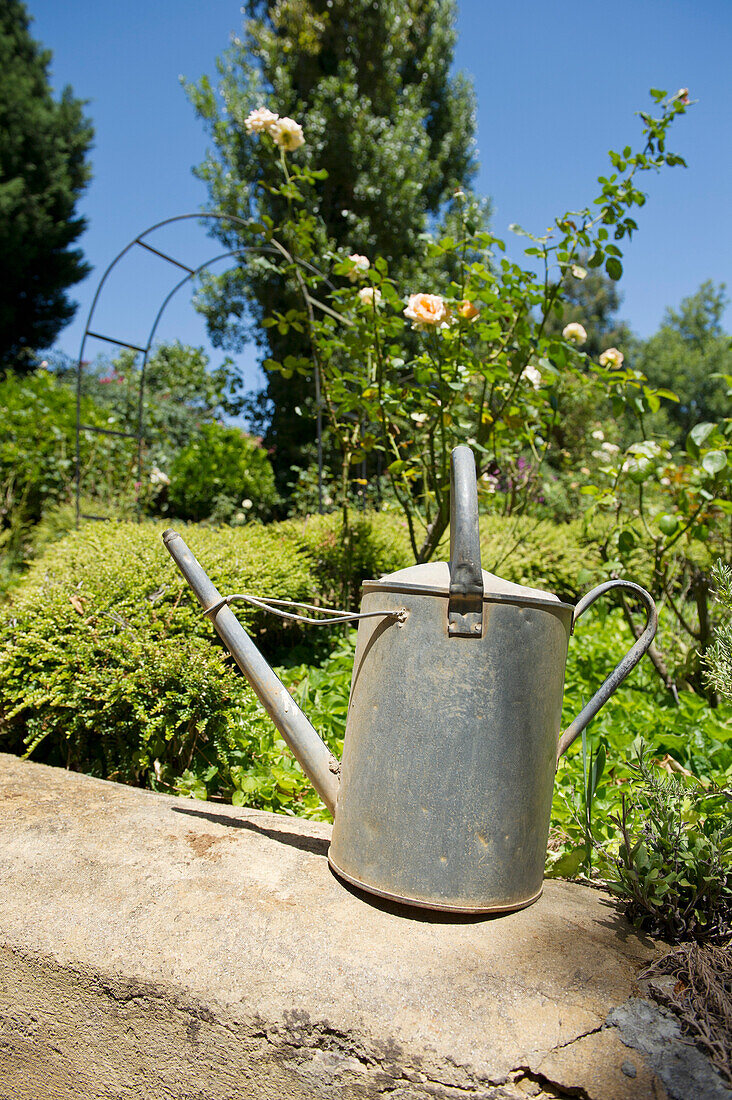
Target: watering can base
<point>439,906</point>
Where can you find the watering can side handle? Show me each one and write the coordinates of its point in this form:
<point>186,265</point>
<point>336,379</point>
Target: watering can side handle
<point>628,663</point>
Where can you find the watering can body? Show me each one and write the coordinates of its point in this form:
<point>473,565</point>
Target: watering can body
<point>450,751</point>
<point>443,796</point>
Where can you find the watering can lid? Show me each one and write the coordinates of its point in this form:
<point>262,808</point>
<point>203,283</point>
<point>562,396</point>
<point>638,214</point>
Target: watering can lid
<point>435,577</point>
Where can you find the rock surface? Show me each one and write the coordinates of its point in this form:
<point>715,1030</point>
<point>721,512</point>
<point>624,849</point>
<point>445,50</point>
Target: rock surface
<point>155,947</point>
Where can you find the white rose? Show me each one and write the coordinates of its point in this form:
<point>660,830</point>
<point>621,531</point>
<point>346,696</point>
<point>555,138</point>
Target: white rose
<point>598,434</point>
<point>246,503</point>
<point>287,134</point>
<point>610,448</point>
<point>369,295</point>
<point>157,477</point>
<point>574,332</point>
<point>361,264</point>
<point>260,121</point>
<point>531,374</point>
<point>611,357</point>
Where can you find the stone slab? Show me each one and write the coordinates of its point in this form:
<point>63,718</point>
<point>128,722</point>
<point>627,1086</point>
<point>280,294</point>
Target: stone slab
<point>159,947</point>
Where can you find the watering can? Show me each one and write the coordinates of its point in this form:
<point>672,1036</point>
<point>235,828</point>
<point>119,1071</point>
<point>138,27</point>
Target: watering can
<point>443,796</point>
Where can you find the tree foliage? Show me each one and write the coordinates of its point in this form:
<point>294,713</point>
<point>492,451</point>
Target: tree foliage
<point>43,170</point>
<point>182,391</point>
<point>691,354</point>
<point>390,132</point>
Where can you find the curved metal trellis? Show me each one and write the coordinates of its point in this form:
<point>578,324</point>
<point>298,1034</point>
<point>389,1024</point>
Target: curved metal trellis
<point>274,248</point>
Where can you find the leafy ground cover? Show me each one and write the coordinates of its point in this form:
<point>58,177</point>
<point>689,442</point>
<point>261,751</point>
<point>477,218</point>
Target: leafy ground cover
<point>107,666</point>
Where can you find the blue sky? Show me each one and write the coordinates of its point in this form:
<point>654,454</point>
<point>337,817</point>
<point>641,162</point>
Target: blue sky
<point>557,85</point>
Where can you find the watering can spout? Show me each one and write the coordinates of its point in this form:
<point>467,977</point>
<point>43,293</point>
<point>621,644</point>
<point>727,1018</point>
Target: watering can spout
<point>315,759</point>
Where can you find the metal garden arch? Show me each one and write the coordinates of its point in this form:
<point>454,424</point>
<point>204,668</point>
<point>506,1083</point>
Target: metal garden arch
<point>274,248</point>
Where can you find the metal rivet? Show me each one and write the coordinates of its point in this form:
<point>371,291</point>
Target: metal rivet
<point>476,628</point>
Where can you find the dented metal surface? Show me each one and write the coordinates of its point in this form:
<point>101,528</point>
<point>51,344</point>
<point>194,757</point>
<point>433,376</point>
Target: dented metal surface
<point>449,759</point>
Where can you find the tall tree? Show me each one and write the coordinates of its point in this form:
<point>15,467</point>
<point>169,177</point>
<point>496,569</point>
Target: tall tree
<point>370,82</point>
<point>690,354</point>
<point>43,170</point>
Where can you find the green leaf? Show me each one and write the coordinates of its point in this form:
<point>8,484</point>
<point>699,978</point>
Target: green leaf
<point>614,267</point>
<point>714,461</point>
<point>568,864</point>
<point>626,541</point>
<point>597,768</point>
<point>700,432</point>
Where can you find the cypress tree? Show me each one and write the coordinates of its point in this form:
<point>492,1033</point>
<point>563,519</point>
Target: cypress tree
<point>43,171</point>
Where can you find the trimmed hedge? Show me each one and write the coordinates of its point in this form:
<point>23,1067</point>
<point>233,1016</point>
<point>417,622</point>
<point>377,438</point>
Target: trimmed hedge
<point>108,666</point>
<point>106,662</point>
<point>378,544</point>
<point>539,554</point>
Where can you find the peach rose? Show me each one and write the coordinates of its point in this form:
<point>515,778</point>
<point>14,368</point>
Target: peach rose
<point>361,264</point>
<point>426,311</point>
<point>532,375</point>
<point>369,295</point>
<point>467,310</point>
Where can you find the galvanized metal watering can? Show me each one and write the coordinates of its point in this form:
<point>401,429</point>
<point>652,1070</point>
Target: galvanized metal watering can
<point>443,796</point>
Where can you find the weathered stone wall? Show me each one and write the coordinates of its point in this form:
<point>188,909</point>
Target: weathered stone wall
<point>155,947</point>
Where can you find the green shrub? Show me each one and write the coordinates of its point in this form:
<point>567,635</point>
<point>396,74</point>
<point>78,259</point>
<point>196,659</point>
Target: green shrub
<point>107,664</point>
<point>103,646</point>
<point>673,870</point>
<point>536,553</point>
<point>539,554</point>
<point>718,658</point>
<point>690,738</point>
<point>37,453</point>
<point>377,543</point>
<point>221,472</point>
<point>256,768</point>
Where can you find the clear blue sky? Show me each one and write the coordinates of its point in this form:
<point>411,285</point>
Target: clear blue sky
<point>557,85</point>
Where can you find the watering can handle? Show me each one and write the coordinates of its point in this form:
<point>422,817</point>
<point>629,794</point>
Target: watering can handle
<point>465,607</point>
<point>628,663</point>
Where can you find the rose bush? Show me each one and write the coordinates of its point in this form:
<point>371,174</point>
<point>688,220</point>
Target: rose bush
<point>403,375</point>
